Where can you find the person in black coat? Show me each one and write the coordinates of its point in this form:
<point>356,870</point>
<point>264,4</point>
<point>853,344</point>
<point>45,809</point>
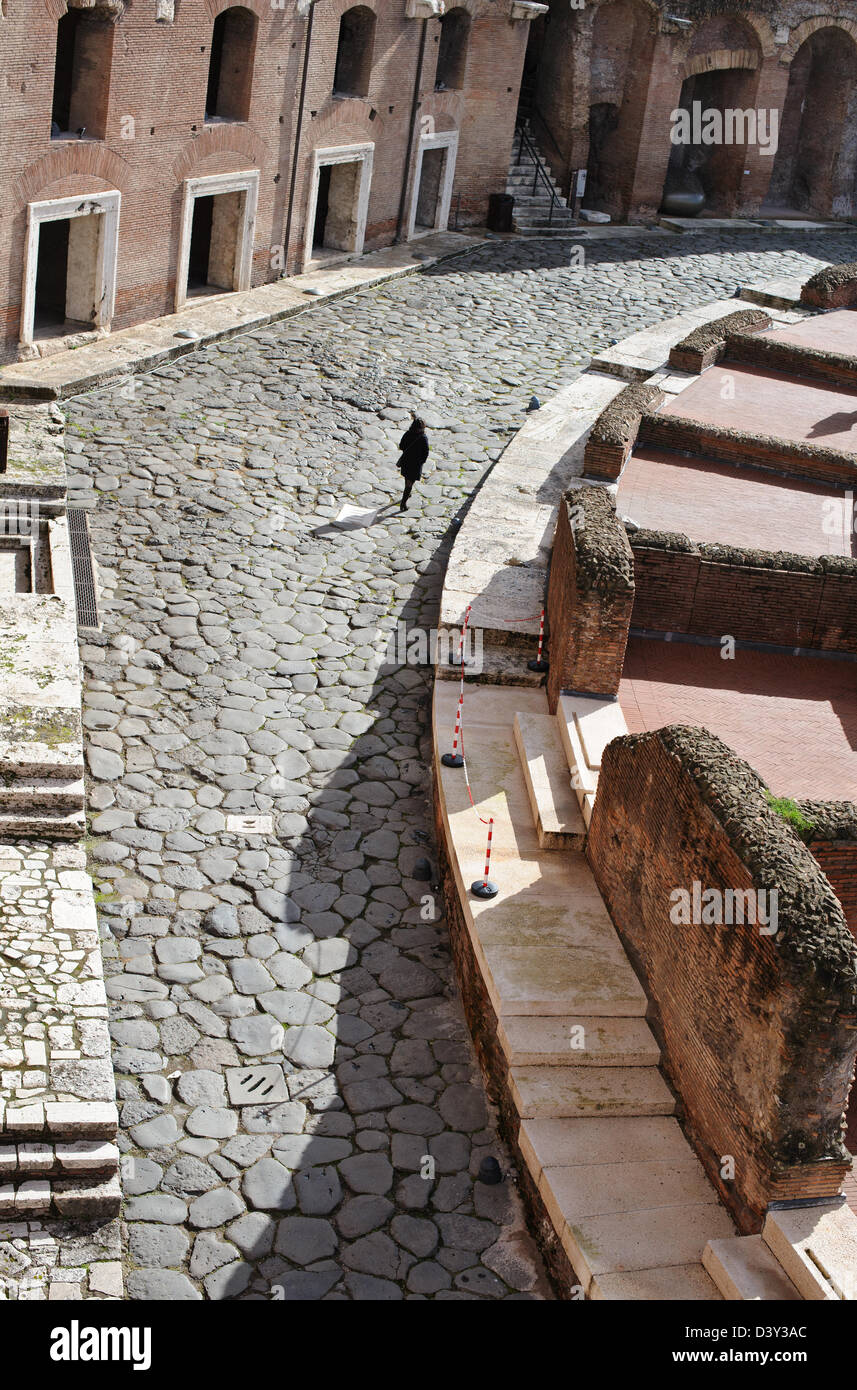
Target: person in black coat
<point>414,448</point>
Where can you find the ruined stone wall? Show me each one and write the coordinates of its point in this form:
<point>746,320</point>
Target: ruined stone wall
<point>757,1028</point>
<point>590,597</point>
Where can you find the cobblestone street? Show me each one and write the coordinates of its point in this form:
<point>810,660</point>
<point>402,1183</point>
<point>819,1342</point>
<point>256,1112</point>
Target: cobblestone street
<point>302,1114</point>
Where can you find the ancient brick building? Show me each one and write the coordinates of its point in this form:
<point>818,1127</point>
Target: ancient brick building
<point>603,79</point>
<point>157,149</point>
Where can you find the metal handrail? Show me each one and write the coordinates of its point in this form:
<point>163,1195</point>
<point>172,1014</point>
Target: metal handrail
<point>539,171</point>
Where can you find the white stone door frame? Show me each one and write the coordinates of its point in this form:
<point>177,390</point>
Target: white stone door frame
<point>341,154</point>
<point>56,210</point>
<point>246,182</point>
<point>444,139</point>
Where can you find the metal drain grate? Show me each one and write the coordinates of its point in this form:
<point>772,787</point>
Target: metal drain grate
<point>81,563</point>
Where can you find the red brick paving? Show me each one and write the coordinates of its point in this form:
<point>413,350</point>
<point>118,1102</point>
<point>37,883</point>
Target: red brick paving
<point>794,719</point>
<point>710,501</point>
<point>833,332</point>
<point>770,403</point>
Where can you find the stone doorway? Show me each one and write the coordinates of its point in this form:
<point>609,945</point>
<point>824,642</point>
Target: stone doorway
<point>217,232</point>
<point>814,170</point>
<point>69,267</point>
<point>339,204</point>
<point>434,176</point>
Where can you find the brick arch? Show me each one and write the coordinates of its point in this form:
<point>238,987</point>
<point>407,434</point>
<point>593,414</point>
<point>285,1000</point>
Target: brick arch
<point>219,139</point>
<point>764,33</point>
<point>809,27</point>
<point>359,127</point>
<point>216,7</point>
<point>78,158</point>
<point>720,58</point>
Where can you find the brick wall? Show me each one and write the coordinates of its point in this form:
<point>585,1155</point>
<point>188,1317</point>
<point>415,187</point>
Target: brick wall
<point>833,841</point>
<point>156,137</point>
<point>590,597</point>
<point>709,591</point>
<point>771,355</point>
<point>801,460</point>
<point>759,1032</point>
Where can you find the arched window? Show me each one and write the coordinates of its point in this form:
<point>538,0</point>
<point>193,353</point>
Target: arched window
<point>82,74</point>
<point>452,51</point>
<point>353,69</point>
<point>230,68</point>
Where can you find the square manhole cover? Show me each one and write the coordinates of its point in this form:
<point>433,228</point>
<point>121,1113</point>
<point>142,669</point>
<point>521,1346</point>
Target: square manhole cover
<point>256,1085</point>
<point>250,825</point>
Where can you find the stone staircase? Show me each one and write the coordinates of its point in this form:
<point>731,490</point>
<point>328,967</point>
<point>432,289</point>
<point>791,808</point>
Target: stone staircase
<point>42,796</point>
<point>530,190</point>
<point>628,1199</point>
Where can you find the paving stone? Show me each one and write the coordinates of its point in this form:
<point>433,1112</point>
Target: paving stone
<point>162,1285</point>
<point>215,1208</point>
<point>305,1239</point>
<point>154,1245</point>
<point>267,1185</point>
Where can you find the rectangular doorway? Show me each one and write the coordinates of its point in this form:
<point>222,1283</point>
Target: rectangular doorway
<point>428,195</point>
<point>339,203</point>
<point>216,236</point>
<point>431,190</point>
<point>69,266</point>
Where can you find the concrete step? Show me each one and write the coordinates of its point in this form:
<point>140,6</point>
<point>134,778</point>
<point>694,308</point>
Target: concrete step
<point>816,1246</point>
<point>548,1092</point>
<point>744,1270</point>
<point>42,824</point>
<point>52,793</point>
<point>556,814</point>
<point>563,1040</point>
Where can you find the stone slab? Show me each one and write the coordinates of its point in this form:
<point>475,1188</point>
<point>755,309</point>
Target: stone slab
<point>559,824</point>
<point>744,1270</point>
<point>621,1242</point>
<point>578,1041</point>
<point>670,1283</point>
<point>567,1092</point>
<point>817,1247</point>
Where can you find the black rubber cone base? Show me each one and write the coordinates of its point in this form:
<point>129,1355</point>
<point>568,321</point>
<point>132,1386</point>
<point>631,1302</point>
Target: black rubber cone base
<point>484,888</point>
<point>452,760</point>
<point>537,666</point>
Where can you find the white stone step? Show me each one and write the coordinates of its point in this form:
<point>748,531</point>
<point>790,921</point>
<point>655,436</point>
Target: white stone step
<point>623,1243</point>
<point>817,1248</point>
<point>744,1270</point>
<point>597,721</point>
<point>557,1040</point>
<point>63,760</point>
<point>52,793</point>
<point>42,824</point>
<point>567,1143</point>
<point>669,1283</point>
<point>549,1092</point>
<point>556,813</point>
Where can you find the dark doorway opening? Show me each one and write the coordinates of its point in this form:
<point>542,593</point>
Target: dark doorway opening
<point>51,275</point>
<point>200,243</point>
<point>322,205</point>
